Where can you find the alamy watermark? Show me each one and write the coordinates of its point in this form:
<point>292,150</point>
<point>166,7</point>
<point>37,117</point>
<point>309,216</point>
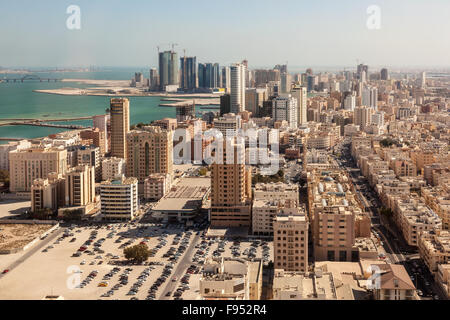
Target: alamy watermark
<point>258,147</point>
<point>73,22</point>
<point>374,19</point>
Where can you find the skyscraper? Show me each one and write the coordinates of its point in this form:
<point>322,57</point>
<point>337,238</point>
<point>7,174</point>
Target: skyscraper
<point>188,73</point>
<point>120,125</point>
<point>226,78</point>
<point>301,95</point>
<point>285,108</point>
<point>285,82</point>
<point>370,97</point>
<point>168,69</point>
<point>154,80</point>
<point>237,87</point>
<point>384,74</point>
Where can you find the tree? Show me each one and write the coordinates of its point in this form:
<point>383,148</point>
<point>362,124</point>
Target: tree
<point>203,171</point>
<point>41,214</point>
<point>70,215</point>
<point>137,254</point>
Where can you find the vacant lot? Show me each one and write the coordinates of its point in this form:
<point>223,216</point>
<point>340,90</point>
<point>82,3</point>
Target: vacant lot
<point>16,236</point>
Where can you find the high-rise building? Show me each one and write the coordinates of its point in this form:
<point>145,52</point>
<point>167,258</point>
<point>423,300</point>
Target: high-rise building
<point>225,104</point>
<point>80,186</point>
<point>238,72</point>
<point>112,168</point>
<point>231,188</point>
<point>229,122</point>
<point>154,80</point>
<point>90,156</point>
<point>300,93</point>
<point>120,126</point>
<point>310,81</point>
<point>226,78</point>
<point>362,72</point>
<point>254,99</point>
<point>350,101</point>
<point>370,97</point>
<point>290,242</point>
<point>188,73</point>
<point>34,163</point>
<point>101,122</point>
<point>284,107</point>
<point>168,69</point>
<point>265,76</point>
<point>150,150</point>
<point>95,137</point>
<point>363,116</point>
<point>285,84</point>
<point>384,74</point>
<point>119,199</point>
<point>423,79</point>
<point>5,149</point>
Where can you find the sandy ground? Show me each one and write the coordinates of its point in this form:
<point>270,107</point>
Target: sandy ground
<point>16,236</point>
<point>11,208</point>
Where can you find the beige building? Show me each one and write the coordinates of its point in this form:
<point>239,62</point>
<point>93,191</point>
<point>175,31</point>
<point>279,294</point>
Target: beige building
<point>5,149</point>
<point>156,186</point>
<point>112,168</point>
<point>120,126</point>
<point>231,279</point>
<point>35,163</point>
<point>443,278</point>
<point>80,186</point>
<point>276,191</point>
<point>264,213</point>
<point>434,249</point>
<point>119,199</point>
<point>299,286</point>
<point>290,235</point>
<point>231,190</point>
<point>393,283</point>
<point>333,208</point>
<point>150,150</point>
<point>48,193</point>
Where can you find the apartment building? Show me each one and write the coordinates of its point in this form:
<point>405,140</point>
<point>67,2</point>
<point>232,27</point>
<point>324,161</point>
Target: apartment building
<point>119,199</point>
<point>80,186</point>
<point>150,150</point>
<point>412,216</point>
<point>156,186</point>
<point>276,191</point>
<point>290,245</point>
<point>229,122</point>
<point>438,199</point>
<point>434,249</point>
<point>333,208</point>
<point>48,193</point>
<point>5,149</point>
<point>34,163</point>
<point>264,213</point>
<point>112,168</point>
<point>231,192</point>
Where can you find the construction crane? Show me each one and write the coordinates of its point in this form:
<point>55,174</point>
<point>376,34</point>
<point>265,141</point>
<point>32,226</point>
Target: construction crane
<point>173,45</point>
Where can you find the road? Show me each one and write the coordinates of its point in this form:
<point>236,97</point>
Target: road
<point>35,248</point>
<point>180,269</point>
<point>398,251</point>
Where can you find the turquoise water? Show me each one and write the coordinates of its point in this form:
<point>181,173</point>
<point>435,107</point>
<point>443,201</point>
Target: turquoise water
<point>17,100</point>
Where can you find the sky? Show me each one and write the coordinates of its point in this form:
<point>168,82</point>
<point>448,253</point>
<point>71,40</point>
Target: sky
<point>265,32</point>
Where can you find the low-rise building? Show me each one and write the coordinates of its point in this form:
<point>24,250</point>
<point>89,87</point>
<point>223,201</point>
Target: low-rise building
<point>434,249</point>
<point>156,186</point>
<point>299,286</point>
<point>231,279</point>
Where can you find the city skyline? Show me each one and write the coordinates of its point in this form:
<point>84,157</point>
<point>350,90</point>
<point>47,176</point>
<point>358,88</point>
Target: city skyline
<point>410,34</point>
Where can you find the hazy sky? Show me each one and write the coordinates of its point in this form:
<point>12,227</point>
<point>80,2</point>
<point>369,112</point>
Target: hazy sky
<point>266,32</point>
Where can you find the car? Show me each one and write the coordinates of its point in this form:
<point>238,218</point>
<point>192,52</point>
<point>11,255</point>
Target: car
<point>5,271</point>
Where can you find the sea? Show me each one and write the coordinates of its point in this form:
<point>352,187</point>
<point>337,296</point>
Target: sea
<point>17,100</point>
